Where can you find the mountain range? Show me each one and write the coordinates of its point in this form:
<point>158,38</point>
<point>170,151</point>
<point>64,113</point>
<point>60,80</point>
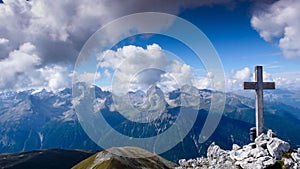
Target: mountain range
<point>40,119</point>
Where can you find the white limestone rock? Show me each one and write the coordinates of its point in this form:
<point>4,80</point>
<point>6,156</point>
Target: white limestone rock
<point>270,133</point>
<point>257,165</point>
<point>191,161</point>
<point>202,161</point>
<point>214,151</point>
<point>243,155</point>
<point>260,138</point>
<point>255,151</point>
<point>252,145</point>
<point>262,144</point>
<point>263,159</point>
<point>228,163</point>
<point>288,162</point>
<point>296,157</point>
<point>250,163</point>
<point>269,162</point>
<point>277,147</point>
<point>261,154</point>
<point>246,165</point>
<point>182,162</point>
<point>235,147</point>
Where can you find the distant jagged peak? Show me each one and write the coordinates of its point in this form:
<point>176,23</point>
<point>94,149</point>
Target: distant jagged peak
<point>154,90</point>
<point>137,92</point>
<point>189,89</point>
<point>140,92</point>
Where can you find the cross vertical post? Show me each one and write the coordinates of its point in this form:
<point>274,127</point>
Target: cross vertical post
<point>259,113</point>
<point>259,86</point>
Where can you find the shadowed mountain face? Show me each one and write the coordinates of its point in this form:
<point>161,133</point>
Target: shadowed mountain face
<point>43,159</point>
<point>41,120</point>
<point>125,158</point>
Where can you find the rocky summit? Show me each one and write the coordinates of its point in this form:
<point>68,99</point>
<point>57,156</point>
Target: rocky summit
<point>267,151</point>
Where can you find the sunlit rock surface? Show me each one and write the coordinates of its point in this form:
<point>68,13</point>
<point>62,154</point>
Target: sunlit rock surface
<point>265,152</point>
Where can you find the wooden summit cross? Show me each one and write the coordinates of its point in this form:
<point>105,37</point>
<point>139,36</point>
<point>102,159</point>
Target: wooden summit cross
<point>259,86</point>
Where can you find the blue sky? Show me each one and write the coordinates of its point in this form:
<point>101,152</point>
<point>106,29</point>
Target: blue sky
<point>236,41</point>
<point>232,35</point>
<point>40,40</point>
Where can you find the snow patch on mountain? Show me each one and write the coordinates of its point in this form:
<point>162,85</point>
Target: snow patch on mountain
<point>59,103</point>
<point>36,91</point>
<point>69,115</point>
<point>41,136</point>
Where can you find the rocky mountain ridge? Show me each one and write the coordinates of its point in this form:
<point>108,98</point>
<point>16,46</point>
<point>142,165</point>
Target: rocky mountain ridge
<point>125,158</point>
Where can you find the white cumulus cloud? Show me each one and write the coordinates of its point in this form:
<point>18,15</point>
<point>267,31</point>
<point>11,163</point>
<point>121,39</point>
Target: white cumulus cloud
<point>279,23</point>
<point>283,80</point>
<point>3,41</point>
<point>134,68</point>
<point>22,69</point>
<point>87,77</point>
<point>19,63</point>
<point>287,80</point>
<point>236,79</point>
<point>204,82</point>
<point>58,29</point>
<point>53,77</point>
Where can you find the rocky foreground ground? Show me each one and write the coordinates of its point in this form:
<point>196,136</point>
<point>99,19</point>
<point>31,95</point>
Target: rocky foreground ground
<point>266,151</point>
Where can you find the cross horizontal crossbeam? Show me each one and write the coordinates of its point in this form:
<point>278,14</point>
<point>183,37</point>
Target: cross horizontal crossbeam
<point>253,85</point>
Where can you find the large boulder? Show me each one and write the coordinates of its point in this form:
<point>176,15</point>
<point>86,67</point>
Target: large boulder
<point>296,157</point>
<point>214,151</point>
<point>277,147</point>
